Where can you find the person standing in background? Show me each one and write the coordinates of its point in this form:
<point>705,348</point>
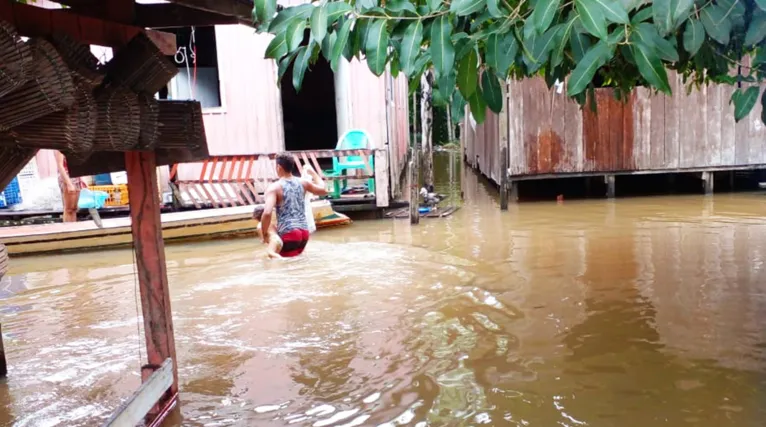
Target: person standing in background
<point>70,189</point>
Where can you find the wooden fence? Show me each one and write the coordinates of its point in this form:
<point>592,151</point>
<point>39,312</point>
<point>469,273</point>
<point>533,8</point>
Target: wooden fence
<point>224,181</point>
<point>551,136</point>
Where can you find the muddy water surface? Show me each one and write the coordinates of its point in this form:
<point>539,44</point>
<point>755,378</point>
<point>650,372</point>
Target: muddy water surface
<point>639,312</point>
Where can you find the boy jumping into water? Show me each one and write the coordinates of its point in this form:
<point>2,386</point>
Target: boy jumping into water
<point>274,245</point>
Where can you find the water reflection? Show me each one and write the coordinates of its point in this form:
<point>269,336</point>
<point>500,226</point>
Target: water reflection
<point>632,313</point>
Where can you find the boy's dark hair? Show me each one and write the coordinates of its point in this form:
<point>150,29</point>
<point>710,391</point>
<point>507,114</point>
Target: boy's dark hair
<point>288,163</point>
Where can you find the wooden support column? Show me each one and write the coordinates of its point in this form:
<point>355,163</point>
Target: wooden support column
<point>610,186</point>
<point>504,156</point>
<point>3,364</point>
<point>708,180</point>
<point>427,116</point>
<point>671,183</point>
<point>150,261</point>
<point>514,190</point>
<point>732,182</point>
<point>414,185</point>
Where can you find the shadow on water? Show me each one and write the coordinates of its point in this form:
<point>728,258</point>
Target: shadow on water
<point>633,312</point>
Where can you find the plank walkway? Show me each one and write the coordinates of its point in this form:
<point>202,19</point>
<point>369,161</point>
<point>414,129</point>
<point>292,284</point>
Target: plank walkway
<point>439,212</point>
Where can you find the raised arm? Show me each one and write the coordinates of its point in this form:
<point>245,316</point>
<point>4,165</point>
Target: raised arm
<point>316,185</point>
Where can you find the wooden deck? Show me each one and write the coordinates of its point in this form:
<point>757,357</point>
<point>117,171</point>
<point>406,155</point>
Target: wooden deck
<point>176,227</point>
<point>439,212</point>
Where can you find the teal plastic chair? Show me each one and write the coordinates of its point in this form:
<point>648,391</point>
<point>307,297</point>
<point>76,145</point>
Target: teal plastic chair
<point>352,140</point>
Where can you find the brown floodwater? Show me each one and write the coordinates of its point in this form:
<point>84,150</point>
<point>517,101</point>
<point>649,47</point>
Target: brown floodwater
<point>636,312</point>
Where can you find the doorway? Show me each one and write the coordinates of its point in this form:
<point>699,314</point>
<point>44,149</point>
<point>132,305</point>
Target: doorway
<point>309,116</point>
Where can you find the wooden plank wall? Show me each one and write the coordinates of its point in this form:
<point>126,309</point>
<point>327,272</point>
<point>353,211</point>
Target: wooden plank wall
<point>398,130</point>
<point>549,134</point>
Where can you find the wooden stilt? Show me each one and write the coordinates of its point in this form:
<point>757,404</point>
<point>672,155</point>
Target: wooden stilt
<point>414,195</point>
<point>732,174</point>
<point>152,274</point>
<point>3,364</point>
<point>426,114</point>
<point>671,183</point>
<point>610,186</point>
<point>504,178</point>
<point>708,180</point>
<point>514,189</point>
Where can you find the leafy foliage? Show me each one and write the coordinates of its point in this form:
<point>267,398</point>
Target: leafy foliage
<point>472,45</point>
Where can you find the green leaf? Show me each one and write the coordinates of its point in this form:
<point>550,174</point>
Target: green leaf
<point>442,50</point>
<point>650,67</point>
<point>629,5</point>
<point>468,74</point>
<point>580,43</point>
<point>466,7</point>
<point>284,64</point>
<point>394,66</point>
<point>278,47</point>
<point>327,45</point>
<point>295,34</point>
<point>376,47</point>
<point>435,5</point>
<point>717,24</point>
<point>367,4</point>
<point>457,107</point>
<point>641,16</point>
<point>494,9</point>
<point>437,98</point>
<point>616,36</point>
<point>340,43</point>
<point>265,10</point>
<point>647,34</point>
<point>586,68</point>
<point>562,41</point>
<point>662,12</point>
<point>694,36</point>
<point>319,23</point>
<point>299,68</point>
<point>462,47</point>
<point>288,16</point>
<point>757,30</point>
<point>337,9</point>
<point>681,10</point>
<point>478,107</point>
<point>542,47</point>
<point>761,4</point>
<point>744,101</point>
<point>501,51</point>
<point>592,17</point>
<point>447,85</point>
<point>614,11</point>
<point>492,92</point>
<point>544,13</point>
<point>359,35</point>
<point>410,48</point>
<point>400,6</point>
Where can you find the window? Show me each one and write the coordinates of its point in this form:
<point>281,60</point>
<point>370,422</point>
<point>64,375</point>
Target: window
<point>197,62</point>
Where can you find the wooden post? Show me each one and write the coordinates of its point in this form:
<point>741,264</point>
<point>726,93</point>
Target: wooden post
<point>381,178</point>
<point>708,180</point>
<point>732,174</point>
<point>504,156</point>
<point>671,183</point>
<point>427,115</point>
<point>610,186</point>
<point>150,261</point>
<point>3,364</point>
<point>514,189</point>
<point>414,184</point>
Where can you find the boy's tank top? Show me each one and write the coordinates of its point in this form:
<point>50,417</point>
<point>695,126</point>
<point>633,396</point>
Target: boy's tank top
<point>291,214</point>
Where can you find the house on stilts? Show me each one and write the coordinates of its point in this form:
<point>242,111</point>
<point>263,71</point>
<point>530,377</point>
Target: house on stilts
<point>543,135</point>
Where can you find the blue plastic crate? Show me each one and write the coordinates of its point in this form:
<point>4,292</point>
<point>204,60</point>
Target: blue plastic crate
<point>11,195</point>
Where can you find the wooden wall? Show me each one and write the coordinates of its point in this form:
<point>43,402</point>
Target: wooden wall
<point>549,134</point>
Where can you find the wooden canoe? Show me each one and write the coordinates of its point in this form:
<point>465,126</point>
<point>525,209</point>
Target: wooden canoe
<point>176,227</point>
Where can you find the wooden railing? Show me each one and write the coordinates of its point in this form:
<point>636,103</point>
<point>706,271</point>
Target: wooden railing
<point>240,180</point>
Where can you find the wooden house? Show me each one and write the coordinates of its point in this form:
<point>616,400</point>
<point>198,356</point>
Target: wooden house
<point>545,135</point>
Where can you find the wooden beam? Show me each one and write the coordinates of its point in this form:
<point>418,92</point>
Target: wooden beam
<point>150,261</point>
<point>32,21</point>
<point>170,15</point>
<point>223,7</point>
<point>133,411</point>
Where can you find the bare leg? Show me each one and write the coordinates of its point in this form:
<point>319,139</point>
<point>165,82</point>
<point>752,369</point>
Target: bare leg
<point>275,246</point>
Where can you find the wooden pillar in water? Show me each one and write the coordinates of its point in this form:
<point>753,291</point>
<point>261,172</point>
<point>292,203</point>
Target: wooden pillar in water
<point>426,120</point>
<point>504,159</point>
<point>414,195</point>
<point>3,364</point>
<point>708,181</point>
<point>610,186</point>
<point>146,226</point>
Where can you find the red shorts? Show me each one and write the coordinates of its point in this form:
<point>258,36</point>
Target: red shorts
<point>294,242</point>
